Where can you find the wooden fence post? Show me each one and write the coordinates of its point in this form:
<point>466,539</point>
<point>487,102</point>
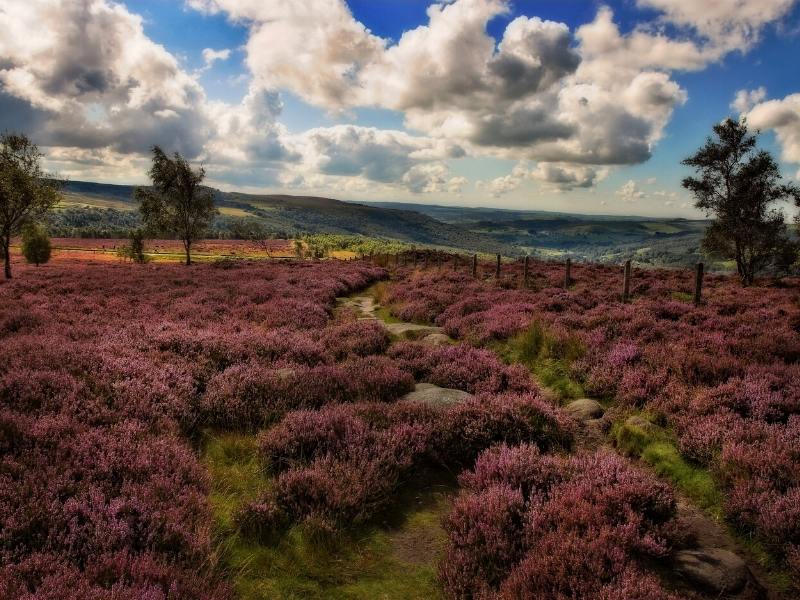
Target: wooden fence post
<point>474,265</point>
<point>415,259</point>
<point>626,283</point>
<point>568,273</point>
<point>439,260</point>
<point>497,268</point>
<point>525,271</point>
<point>698,284</point>
<point>455,262</point>
<point>425,261</point>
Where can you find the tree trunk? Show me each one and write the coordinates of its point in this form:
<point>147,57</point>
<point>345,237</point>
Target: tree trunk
<point>7,257</point>
<point>187,245</point>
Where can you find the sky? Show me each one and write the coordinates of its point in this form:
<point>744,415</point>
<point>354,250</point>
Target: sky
<point>565,105</point>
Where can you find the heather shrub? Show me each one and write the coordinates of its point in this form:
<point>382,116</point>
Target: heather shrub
<point>533,526</point>
<point>355,338</point>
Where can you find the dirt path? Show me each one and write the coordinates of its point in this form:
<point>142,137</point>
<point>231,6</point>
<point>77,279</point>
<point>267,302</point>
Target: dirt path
<point>710,565</point>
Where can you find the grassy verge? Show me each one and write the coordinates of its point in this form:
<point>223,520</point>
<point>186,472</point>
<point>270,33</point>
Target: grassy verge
<point>640,438</point>
<point>548,358</point>
<point>394,560</point>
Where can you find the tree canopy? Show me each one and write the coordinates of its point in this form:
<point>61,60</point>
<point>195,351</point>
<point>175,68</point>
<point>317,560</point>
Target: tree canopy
<point>739,185</point>
<point>27,193</point>
<point>177,203</point>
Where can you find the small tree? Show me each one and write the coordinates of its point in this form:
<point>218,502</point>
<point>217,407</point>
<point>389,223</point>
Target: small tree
<point>26,192</point>
<point>35,244</point>
<point>176,203</point>
<point>738,185</point>
<point>135,248</point>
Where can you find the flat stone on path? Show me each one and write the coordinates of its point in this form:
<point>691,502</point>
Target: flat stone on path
<point>715,570</point>
<point>408,330</point>
<point>436,339</point>
<point>435,395</point>
<point>585,409</point>
<point>365,305</point>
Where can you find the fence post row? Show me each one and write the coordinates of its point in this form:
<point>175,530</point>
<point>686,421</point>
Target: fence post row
<point>626,284</point>
<point>497,269</point>
<point>698,284</point>
<point>474,265</point>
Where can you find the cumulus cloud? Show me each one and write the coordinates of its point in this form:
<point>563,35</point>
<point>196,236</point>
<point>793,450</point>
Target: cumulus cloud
<point>783,117</point>
<point>90,78</point>
<point>630,192</point>
<point>725,24</point>
<point>747,99</point>
<point>566,176</point>
<point>210,56</point>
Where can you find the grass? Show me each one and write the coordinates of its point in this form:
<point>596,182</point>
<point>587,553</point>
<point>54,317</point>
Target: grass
<point>548,358</point>
<point>655,447</point>
<point>393,560</point>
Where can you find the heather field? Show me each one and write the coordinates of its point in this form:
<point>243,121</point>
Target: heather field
<point>99,249</point>
<point>232,430</point>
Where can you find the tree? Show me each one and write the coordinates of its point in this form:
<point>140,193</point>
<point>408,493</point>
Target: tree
<point>135,248</point>
<point>176,203</point>
<point>739,185</point>
<point>26,192</point>
<point>35,244</point>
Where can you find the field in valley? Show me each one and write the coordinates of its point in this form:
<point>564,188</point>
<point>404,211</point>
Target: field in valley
<point>336,429</point>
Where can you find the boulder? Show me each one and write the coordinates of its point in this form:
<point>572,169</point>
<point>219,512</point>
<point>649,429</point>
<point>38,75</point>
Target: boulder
<point>435,395</point>
<point>436,339</point>
<point>714,570</point>
<point>641,423</point>
<point>585,409</point>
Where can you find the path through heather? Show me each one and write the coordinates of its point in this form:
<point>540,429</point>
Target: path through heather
<point>713,564</point>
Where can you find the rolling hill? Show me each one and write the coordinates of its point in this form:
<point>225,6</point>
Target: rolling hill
<point>105,210</point>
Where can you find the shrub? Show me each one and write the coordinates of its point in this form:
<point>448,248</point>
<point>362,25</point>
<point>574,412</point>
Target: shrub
<point>36,246</point>
<point>533,526</point>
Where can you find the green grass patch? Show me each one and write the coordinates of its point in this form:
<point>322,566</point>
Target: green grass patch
<point>654,446</point>
<point>682,296</point>
<point>395,559</point>
<point>549,358</point>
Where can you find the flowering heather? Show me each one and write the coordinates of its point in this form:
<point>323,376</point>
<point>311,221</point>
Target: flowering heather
<point>105,369</point>
<point>342,463</point>
<point>528,525</point>
<point>724,374</point>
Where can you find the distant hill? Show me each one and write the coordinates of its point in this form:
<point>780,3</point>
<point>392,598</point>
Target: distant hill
<point>109,210</point>
<point>309,214</point>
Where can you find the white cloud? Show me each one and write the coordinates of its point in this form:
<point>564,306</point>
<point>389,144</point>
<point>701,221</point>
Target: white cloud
<point>567,176</point>
<point>725,25</point>
<point>210,56</point>
<point>630,192</point>
<point>747,99</point>
<point>783,117</point>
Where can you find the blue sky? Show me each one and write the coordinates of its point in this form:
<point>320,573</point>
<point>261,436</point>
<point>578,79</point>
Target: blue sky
<point>543,104</point>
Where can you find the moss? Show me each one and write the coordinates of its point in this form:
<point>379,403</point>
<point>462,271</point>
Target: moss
<point>656,447</point>
<point>361,564</point>
<point>548,358</point>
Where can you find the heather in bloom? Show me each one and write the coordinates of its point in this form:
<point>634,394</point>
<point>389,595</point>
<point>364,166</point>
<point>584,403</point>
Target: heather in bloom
<point>529,525</point>
<point>723,374</point>
<point>106,370</point>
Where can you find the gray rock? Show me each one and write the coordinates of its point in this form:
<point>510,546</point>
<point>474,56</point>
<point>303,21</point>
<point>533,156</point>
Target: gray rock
<point>435,395</point>
<point>436,339</point>
<point>641,423</point>
<point>585,409</point>
<point>715,570</point>
<point>411,330</point>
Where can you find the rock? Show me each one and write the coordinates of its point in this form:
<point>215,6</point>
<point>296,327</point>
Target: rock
<point>641,423</point>
<point>585,409</point>
<point>411,330</point>
<point>715,570</point>
<point>436,339</point>
<point>435,395</point>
